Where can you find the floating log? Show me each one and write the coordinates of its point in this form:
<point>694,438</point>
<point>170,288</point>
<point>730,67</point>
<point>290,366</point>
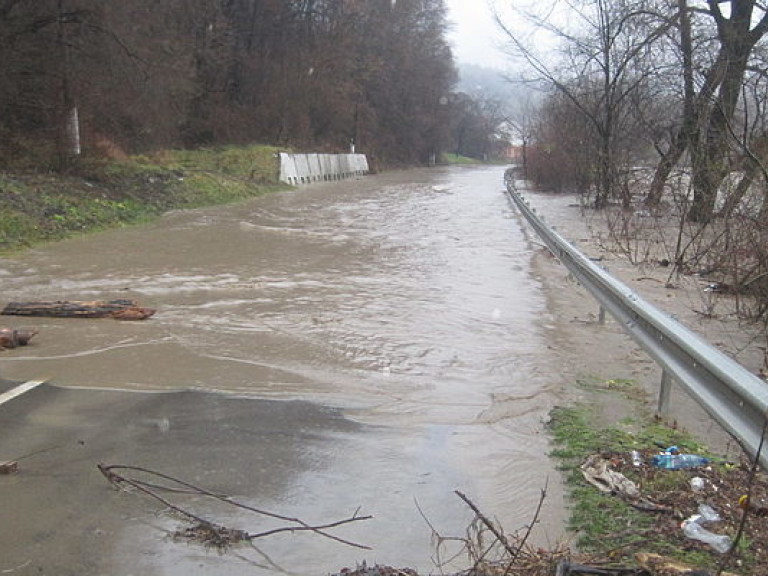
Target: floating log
<point>10,338</point>
<point>118,309</point>
<point>9,467</point>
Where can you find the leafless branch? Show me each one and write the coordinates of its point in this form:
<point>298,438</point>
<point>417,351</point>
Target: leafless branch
<point>750,485</point>
<point>529,529</point>
<point>151,489</point>
<point>495,531</point>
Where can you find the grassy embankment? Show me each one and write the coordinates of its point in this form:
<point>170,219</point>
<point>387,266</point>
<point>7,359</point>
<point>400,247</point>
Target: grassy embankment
<point>455,159</point>
<point>94,194</point>
<point>613,529</point>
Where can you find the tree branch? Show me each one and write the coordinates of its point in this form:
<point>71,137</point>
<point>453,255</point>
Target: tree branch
<point>149,489</point>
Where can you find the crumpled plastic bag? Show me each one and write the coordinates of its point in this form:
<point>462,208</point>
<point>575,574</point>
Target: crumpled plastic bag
<point>598,472</point>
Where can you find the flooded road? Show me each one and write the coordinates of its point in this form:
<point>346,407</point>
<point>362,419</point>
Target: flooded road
<point>403,302</point>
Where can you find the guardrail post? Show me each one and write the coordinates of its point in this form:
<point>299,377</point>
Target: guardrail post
<point>601,313</point>
<point>664,393</point>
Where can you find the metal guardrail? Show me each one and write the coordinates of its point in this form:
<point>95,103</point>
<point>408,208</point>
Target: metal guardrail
<point>732,395</point>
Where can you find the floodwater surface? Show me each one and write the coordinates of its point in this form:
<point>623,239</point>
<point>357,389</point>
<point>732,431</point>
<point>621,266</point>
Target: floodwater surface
<point>404,301</point>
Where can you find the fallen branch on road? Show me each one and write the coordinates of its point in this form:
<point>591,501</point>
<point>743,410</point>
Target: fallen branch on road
<point>205,531</point>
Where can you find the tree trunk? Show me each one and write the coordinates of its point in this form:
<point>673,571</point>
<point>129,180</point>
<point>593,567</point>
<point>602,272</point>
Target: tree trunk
<point>763,215</point>
<point>737,39</point>
<point>118,309</point>
<point>664,168</point>
<point>706,182</point>
<point>735,198</point>
<point>686,134</point>
<point>69,122</point>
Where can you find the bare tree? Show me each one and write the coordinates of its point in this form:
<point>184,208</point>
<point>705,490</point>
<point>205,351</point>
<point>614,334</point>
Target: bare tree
<point>603,64</point>
<point>304,73</point>
<point>710,101</point>
<point>737,36</point>
<point>563,145</point>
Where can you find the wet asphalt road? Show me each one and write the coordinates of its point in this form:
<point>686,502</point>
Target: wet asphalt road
<point>60,514</point>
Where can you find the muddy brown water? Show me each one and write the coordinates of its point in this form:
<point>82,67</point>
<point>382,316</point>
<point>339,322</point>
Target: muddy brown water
<point>404,301</point>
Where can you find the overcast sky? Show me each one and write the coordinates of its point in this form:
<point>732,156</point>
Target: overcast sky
<point>474,35</point>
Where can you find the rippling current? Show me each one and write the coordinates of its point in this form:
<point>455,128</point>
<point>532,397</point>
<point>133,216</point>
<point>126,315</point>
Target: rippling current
<point>405,300</point>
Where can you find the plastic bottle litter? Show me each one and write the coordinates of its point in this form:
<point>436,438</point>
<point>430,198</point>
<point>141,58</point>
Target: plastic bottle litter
<point>694,530</point>
<point>637,460</point>
<point>708,514</point>
<point>679,461</point>
<point>697,484</point>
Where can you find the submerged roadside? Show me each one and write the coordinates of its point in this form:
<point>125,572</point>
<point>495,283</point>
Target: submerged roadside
<point>96,194</point>
<point>387,296</point>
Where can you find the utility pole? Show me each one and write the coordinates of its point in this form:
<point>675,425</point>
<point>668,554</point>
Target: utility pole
<point>69,123</point>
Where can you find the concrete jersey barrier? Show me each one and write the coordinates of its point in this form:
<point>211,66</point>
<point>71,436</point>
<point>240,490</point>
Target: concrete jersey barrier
<point>298,169</point>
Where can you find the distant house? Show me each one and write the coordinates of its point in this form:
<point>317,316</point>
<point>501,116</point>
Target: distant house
<point>514,153</point>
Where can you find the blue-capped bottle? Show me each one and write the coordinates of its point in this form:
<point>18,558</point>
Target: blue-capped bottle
<point>679,461</point>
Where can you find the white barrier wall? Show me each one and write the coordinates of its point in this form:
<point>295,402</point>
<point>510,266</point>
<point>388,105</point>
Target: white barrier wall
<point>298,169</point>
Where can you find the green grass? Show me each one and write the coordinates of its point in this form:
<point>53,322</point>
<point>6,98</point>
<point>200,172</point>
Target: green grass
<point>605,524</point>
<point>458,159</point>
<point>447,158</point>
<point>96,194</point>
<point>257,163</point>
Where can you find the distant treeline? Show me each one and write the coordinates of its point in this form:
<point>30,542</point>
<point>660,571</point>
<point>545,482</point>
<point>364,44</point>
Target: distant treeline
<point>148,74</point>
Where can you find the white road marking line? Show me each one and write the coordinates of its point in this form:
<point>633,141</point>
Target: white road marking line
<point>19,390</point>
